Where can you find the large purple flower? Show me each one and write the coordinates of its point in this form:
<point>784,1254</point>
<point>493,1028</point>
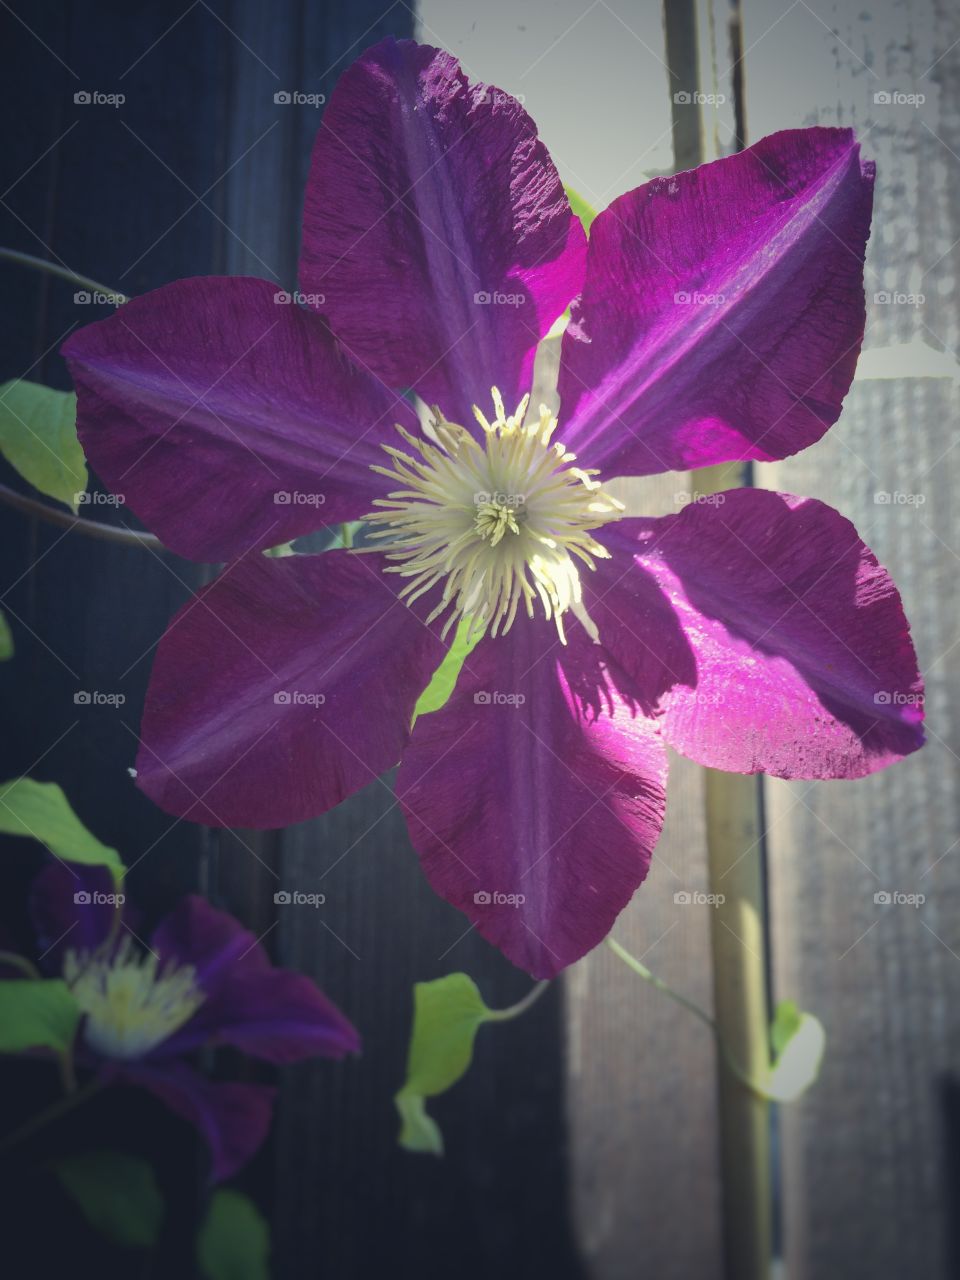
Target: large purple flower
<point>202,980</point>
<point>717,315</point>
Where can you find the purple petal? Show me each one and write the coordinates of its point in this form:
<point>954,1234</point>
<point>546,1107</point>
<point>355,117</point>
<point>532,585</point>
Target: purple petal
<point>71,910</point>
<point>207,403</point>
<point>558,799</point>
<point>426,196</point>
<point>805,667</point>
<point>284,686</point>
<point>723,309</point>
<point>234,1119</point>
<point>270,1013</point>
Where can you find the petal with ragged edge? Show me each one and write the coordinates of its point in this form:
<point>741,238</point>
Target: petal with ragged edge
<point>268,1012</point>
<point>227,420</point>
<point>281,688</point>
<point>804,663</point>
<point>536,818</point>
<point>723,309</point>
<point>436,229</point>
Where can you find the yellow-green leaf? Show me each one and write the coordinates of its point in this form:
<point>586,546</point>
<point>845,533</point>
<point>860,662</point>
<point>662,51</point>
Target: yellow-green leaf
<point>799,1041</point>
<point>584,211</point>
<point>41,811</point>
<point>446,1015</point>
<point>439,690</point>
<point>36,1013</point>
<point>6,639</point>
<point>38,436</point>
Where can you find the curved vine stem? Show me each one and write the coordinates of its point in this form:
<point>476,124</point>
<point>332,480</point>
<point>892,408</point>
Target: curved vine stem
<point>14,961</point>
<point>55,269</point>
<point>515,1010</point>
<point>77,524</point>
<point>732,1064</point>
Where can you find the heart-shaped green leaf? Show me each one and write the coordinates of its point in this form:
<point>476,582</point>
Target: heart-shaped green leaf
<point>446,1015</point>
<point>234,1241</point>
<point>118,1194</point>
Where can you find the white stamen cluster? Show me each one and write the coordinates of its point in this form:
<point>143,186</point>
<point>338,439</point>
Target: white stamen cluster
<point>131,1004</point>
<point>497,522</point>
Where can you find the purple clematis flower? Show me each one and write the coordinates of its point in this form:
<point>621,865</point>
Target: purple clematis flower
<point>202,980</point>
<point>717,315</point>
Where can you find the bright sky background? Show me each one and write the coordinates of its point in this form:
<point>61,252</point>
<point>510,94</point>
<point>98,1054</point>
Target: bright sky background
<point>590,74</point>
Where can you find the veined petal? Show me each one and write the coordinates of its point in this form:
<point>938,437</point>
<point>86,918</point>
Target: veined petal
<point>723,309</point>
<point>536,795</point>
<point>804,663</point>
<point>436,229</point>
<point>281,688</point>
<point>227,420</point>
<point>268,1012</point>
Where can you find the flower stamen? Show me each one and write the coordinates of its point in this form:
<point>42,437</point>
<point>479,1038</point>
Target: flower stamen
<point>499,522</point>
<point>131,1004</point>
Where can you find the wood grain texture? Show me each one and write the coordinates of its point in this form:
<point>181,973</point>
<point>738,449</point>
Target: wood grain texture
<point>869,1176</point>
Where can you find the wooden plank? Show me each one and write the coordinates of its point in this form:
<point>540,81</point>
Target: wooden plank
<point>866,1185</point>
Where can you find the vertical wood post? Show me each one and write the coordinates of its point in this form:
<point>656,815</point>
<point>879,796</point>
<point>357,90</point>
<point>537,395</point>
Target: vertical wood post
<point>732,802</point>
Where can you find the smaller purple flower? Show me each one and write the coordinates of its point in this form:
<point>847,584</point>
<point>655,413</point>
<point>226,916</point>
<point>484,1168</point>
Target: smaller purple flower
<point>201,980</point>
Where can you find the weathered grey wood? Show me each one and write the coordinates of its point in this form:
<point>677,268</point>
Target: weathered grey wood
<point>869,1189</point>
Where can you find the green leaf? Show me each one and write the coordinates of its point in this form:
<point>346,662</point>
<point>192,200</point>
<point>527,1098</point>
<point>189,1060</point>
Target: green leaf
<point>446,1015</point>
<point>799,1041</point>
<point>42,811</point>
<point>439,690</point>
<point>234,1241</point>
<point>37,1013</point>
<point>584,211</point>
<point>118,1194</point>
<point>6,639</point>
<point>38,436</point>
<point>786,1022</point>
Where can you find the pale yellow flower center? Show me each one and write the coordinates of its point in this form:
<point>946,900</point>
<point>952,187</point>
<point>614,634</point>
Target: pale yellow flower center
<point>131,1004</point>
<point>498,522</point>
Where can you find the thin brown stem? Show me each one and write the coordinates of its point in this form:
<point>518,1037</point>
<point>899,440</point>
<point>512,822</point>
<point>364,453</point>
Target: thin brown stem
<point>76,524</point>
